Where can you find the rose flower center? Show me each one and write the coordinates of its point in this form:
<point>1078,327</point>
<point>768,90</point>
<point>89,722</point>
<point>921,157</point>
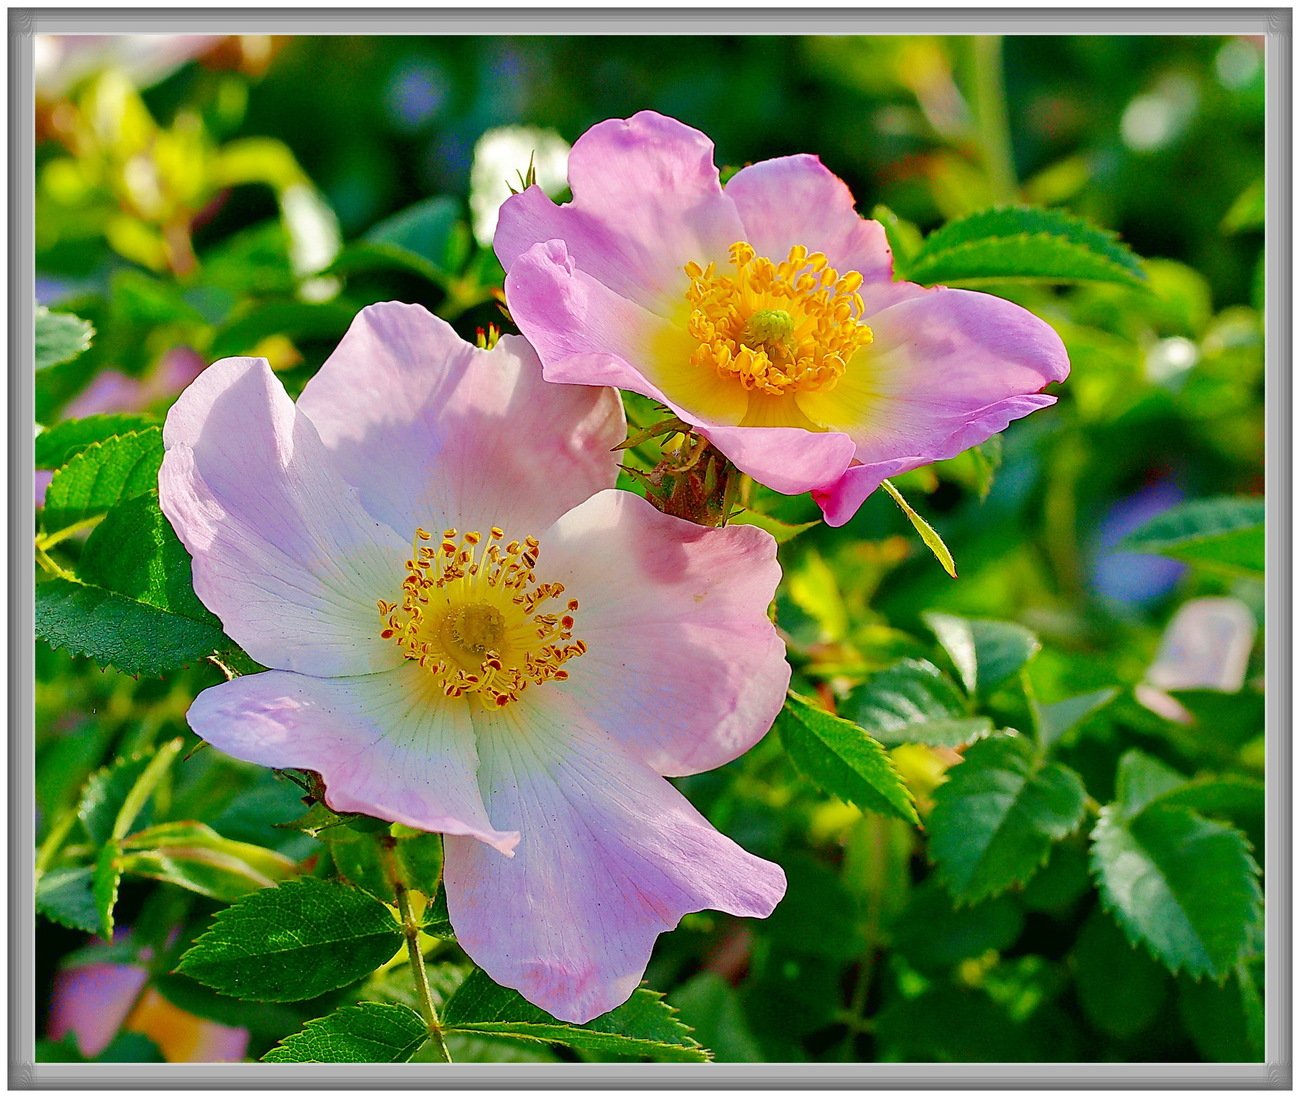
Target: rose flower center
<point>776,327</point>
<point>472,616</point>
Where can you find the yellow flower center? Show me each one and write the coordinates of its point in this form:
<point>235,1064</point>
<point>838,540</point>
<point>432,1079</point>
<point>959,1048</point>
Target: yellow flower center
<point>776,327</point>
<point>471,616</point>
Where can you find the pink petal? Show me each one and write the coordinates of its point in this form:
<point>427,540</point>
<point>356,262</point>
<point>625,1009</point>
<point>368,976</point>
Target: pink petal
<point>787,459</point>
<point>283,552</point>
<point>92,1001</point>
<point>587,334</point>
<point>683,667</point>
<point>611,857</point>
<point>798,200</point>
<point>389,745</point>
<point>646,201</point>
<point>947,370</point>
<point>436,433</point>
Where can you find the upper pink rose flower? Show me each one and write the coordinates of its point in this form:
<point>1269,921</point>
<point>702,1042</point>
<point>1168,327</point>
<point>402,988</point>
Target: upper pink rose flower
<point>473,632</point>
<point>764,313</point>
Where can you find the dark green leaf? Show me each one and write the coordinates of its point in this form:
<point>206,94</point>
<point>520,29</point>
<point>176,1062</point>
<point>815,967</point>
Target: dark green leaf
<point>59,444</point>
<point>933,934</point>
<point>426,229</point>
<point>1224,532</point>
<point>1184,886</point>
<point>842,759</point>
<point>985,653</point>
<point>1120,988</point>
<point>101,475</point>
<point>1140,779</point>
<point>914,702</point>
<point>365,1033</point>
<point>995,819</point>
<point>293,942</point>
<point>644,1026</point>
<point>1226,1021</point>
<point>67,897</point>
<point>1057,719</point>
<point>1022,243</point>
<point>60,337</point>
<point>135,607</point>
<point>711,1006</point>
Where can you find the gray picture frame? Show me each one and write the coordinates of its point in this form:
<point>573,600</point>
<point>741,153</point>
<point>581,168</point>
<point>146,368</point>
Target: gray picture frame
<point>1274,24</point>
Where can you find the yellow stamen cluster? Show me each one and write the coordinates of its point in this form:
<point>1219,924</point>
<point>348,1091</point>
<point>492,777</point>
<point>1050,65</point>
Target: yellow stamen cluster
<point>471,616</point>
<point>776,327</point>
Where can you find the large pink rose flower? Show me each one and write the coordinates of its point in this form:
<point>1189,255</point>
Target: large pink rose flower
<point>764,313</point>
<point>472,632</point>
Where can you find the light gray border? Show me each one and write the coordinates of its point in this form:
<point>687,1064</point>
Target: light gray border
<point>1274,1073</point>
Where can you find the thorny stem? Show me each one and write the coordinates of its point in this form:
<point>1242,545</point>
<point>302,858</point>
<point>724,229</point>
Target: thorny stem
<point>411,929</point>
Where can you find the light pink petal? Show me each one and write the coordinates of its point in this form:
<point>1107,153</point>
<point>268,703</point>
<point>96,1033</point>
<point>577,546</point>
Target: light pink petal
<point>798,200</point>
<point>947,370</point>
<point>683,665</point>
<point>611,856</point>
<point>435,433</point>
<point>786,459</point>
<point>389,745</point>
<point>587,334</point>
<point>284,554</point>
<point>646,201</point>
<point>91,1002</point>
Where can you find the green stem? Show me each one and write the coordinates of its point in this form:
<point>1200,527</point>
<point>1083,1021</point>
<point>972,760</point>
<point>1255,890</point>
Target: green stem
<point>51,566</point>
<point>411,929</point>
<point>989,95</point>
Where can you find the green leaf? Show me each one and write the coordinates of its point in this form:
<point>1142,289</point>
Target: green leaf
<point>781,531</point>
<point>1185,887</point>
<point>842,759</point>
<point>1141,779</point>
<point>932,540</point>
<point>104,793</point>
<point>365,1033</point>
<point>1247,211</point>
<point>426,229</point>
<point>985,653</point>
<point>135,607</point>
<point>60,337</point>
<point>296,320</point>
<point>67,897</point>
<point>1120,988</point>
<point>1057,719</point>
<point>101,475</point>
<point>293,942</point>
<point>1224,532</point>
<point>1226,1021</point>
<point>143,787</point>
<point>194,857</point>
<point>644,1026</point>
<point>1018,242</point>
<point>932,934</point>
<point>987,459</point>
<point>59,444</point>
<point>996,818</point>
<point>711,1006</point>
<point>104,883</point>
<point>914,702</point>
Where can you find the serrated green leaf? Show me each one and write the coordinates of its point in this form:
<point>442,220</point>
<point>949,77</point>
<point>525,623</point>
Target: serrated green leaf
<point>135,607</point>
<point>60,337</point>
<point>1224,532</point>
<point>929,535</point>
<point>67,896</point>
<point>986,653</point>
<point>102,475</point>
<point>842,759</point>
<point>781,531</point>
<point>365,1033</point>
<point>293,942</point>
<point>59,444</point>
<point>104,884</point>
<point>1120,988</point>
<point>104,793</point>
<point>1185,887</point>
<point>644,1026</point>
<point>914,702</point>
<point>194,857</point>
<point>1016,242</point>
<point>1226,1021</point>
<point>998,814</point>
<point>711,1006</point>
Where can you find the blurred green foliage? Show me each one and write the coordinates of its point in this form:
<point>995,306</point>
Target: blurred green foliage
<point>257,195</point>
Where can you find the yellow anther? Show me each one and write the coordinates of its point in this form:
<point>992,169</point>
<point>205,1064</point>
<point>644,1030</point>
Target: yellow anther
<point>776,327</point>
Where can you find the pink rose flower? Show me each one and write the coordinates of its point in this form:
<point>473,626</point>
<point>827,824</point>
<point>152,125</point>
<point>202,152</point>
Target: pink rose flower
<point>764,313</point>
<point>472,632</point>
